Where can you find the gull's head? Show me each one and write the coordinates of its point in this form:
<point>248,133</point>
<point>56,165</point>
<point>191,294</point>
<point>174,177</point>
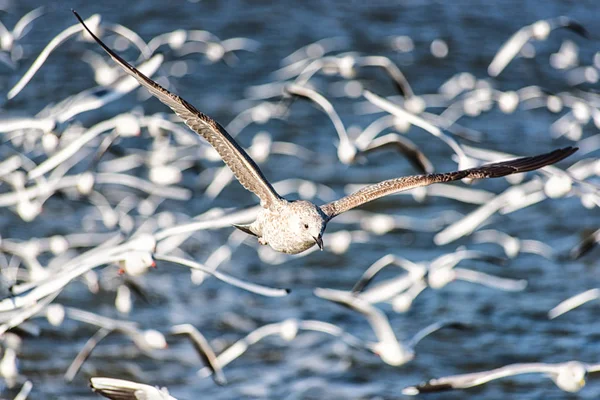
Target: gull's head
<point>571,377</point>
<point>308,222</point>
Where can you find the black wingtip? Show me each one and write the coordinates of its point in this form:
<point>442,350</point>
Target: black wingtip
<point>432,388</point>
<point>577,28</point>
<point>459,325</point>
<point>221,381</point>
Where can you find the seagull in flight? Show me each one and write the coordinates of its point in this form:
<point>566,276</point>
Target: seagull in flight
<point>568,376</point>
<point>295,226</point>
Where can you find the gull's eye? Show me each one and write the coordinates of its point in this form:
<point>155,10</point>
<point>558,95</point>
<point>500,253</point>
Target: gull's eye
<point>305,226</point>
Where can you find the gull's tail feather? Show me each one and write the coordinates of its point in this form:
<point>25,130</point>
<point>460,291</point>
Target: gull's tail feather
<point>245,228</point>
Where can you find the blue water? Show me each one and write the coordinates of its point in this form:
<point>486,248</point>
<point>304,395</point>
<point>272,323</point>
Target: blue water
<point>506,328</point>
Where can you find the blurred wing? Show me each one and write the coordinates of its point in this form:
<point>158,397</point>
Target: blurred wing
<point>203,349</point>
<point>465,381</point>
<point>494,170</point>
<point>118,389</point>
<point>243,167</point>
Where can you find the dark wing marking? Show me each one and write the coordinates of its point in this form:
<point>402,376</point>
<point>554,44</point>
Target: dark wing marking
<point>203,349</point>
<point>587,244</point>
<point>404,146</point>
<point>243,167</point>
<point>245,229</point>
<point>494,170</point>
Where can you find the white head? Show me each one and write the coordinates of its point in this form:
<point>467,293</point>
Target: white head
<point>571,377</point>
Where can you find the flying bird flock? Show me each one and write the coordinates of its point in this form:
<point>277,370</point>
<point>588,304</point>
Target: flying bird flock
<point>149,252</point>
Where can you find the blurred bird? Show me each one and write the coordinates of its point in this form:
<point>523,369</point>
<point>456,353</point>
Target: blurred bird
<point>538,31</point>
<point>568,376</point>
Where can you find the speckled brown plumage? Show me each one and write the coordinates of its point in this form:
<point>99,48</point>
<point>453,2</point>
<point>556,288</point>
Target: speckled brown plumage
<point>493,170</point>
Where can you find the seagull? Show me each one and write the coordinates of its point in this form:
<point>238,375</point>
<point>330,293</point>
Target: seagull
<point>295,226</point>
<point>538,31</point>
<point>568,376</point>
<point>388,348</point>
<point>512,245</point>
<point>9,38</point>
<point>146,340</point>
<point>119,389</point>
<point>203,349</point>
<point>288,330</point>
<point>348,152</point>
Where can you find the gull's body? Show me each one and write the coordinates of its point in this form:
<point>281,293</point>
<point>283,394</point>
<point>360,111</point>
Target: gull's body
<point>294,226</point>
<point>568,376</point>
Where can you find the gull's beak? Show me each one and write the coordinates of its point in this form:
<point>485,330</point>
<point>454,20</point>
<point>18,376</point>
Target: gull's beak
<point>319,241</point>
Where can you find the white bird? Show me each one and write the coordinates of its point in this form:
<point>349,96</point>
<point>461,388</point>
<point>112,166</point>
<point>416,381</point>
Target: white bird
<point>568,376</point>
<point>118,389</point>
<point>403,290</point>
<point>214,48</point>
<point>287,330</point>
<point>9,39</point>
<point>9,370</point>
<point>203,349</point>
<point>387,347</point>
<point>512,245</point>
<point>314,50</point>
<point>538,31</point>
<point>413,119</point>
<point>146,340</point>
<point>348,151</point>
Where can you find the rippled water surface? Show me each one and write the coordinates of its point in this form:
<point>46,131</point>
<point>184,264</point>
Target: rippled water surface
<point>506,327</point>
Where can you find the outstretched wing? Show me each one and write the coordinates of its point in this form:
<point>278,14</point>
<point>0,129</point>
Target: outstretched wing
<point>494,170</point>
<point>243,167</point>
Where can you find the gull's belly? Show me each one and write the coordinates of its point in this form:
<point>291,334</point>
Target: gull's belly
<point>275,231</point>
<point>285,241</point>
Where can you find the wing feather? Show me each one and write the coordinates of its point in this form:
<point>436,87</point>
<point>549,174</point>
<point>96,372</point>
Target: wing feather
<point>243,167</point>
<point>493,170</point>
